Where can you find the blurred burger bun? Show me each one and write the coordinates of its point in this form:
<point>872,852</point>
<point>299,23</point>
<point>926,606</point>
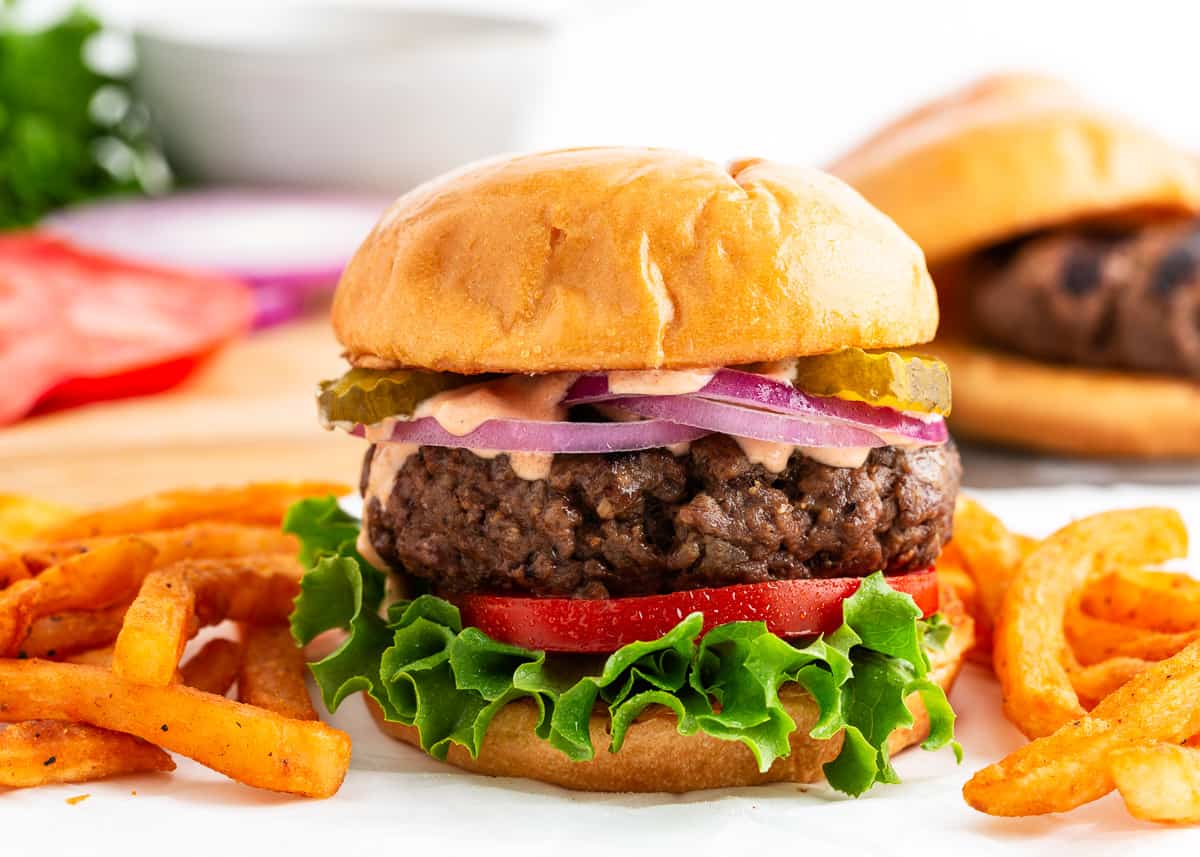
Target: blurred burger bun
<point>1002,158</point>
<point>1010,155</point>
<point>621,258</point>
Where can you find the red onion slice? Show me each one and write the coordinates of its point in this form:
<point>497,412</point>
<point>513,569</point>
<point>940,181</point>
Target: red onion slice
<point>536,436</point>
<point>758,391</point>
<point>747,422</point>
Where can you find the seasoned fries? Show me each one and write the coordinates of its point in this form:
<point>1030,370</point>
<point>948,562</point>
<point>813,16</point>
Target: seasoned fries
<point>116,594</point>
<point>249,744</point>
<point>991,555</point>
<point>273,671</point>
<point>21,517</point>
<point>1032,659</point>
<point>206,540</point>
<point>155,631</point>
<point>18,609</point>
<point>38,752</point>
<point>1070,767</point>
<point>259,588</point>
<point>72,631</point>
<point>12,567</point>
<point>99,578</point>
<point>263,504</point>
<point>1156,600</point>
<point>102,657</point>
<point>1093,683</point>
<point>1160,782</point>
<point>1094,640</point>
<point>214,668</point>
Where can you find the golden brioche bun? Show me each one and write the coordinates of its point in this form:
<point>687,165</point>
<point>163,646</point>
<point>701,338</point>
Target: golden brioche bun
<point>656,758</point>
<point>1076,410</point>
<point>1012,154</point>
<point>589,259</point>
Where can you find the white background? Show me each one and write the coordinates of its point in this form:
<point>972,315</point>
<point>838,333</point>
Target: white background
<point>800,81</point>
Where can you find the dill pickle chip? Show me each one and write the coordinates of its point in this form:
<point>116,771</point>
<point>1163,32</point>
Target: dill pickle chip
<point>891,379</point>
<point>367,396</point>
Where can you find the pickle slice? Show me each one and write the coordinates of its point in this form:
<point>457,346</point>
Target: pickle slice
<point>367,396</point>
<point>891,379</point>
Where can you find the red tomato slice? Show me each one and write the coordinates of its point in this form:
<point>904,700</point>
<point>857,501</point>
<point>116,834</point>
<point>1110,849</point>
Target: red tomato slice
<point>790,608</point>
<point>78,326</point>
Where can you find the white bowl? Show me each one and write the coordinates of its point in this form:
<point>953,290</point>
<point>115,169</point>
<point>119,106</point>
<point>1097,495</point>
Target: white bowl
<point>356,96</point>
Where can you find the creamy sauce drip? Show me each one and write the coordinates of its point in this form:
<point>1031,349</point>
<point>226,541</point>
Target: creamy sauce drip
<point>659,382</point>
<point>530,466</point>
<point>386,462</point>
<point>774,457</point>
<point>517,397</point>
<point>782,371</point>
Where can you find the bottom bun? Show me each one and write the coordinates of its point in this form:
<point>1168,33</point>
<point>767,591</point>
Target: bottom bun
<point>656,758</point>
<point>1074,410</point>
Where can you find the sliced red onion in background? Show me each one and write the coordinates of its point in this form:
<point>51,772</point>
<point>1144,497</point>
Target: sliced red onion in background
<point>758,391</point>
<point>289,246</point>
<point>536,436</point>
<point>747,422</point>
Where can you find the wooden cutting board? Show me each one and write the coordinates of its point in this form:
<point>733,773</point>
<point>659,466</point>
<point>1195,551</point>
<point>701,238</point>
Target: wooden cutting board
<point>247,415</point>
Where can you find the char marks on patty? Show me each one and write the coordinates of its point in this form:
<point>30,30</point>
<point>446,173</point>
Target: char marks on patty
<point>648,522</point>
<point>1129,301</point>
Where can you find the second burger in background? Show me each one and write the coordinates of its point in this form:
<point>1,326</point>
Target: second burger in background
<point>634,439</point>
<point>1066,250</point>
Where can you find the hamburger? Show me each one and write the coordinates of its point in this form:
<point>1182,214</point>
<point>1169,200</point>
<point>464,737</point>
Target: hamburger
<point>1066,247</point>
<point>652,489</point>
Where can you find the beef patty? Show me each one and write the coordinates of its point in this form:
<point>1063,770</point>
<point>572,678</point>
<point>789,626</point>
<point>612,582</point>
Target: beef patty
<point>648,522</point>
<point>1129,301</point>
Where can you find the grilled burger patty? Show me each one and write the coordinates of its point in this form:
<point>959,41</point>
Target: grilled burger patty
<point>1128,301</point>
<point>650,522</point>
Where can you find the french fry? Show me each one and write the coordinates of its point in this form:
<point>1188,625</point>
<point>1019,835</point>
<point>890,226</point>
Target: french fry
<point>258,589</point>
<point>102,657</point>
<point>72,631</point>
<point>38,752</point>
<point>991,554</point>
<point>1094,640</point>
<point>151,640</point>
<point>1159,782</point>
<point>1071,766</point>
<point>1096,681</point>
<point>99,578</point>
<point>214,668</point>
<point>205,540</point>
<point>1031,655</point>
<point>12,567</point>
<point>248,744</point>
<point>1156,600</point>
<point>262,503</point>
<point>21,517</point>
<point>273,672</point>
<point>18,609</point>
<point>96,579</point>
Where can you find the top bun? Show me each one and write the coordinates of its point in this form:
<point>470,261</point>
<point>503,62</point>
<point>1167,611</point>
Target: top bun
<point>1012,154</point>
<point>591,259</point>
